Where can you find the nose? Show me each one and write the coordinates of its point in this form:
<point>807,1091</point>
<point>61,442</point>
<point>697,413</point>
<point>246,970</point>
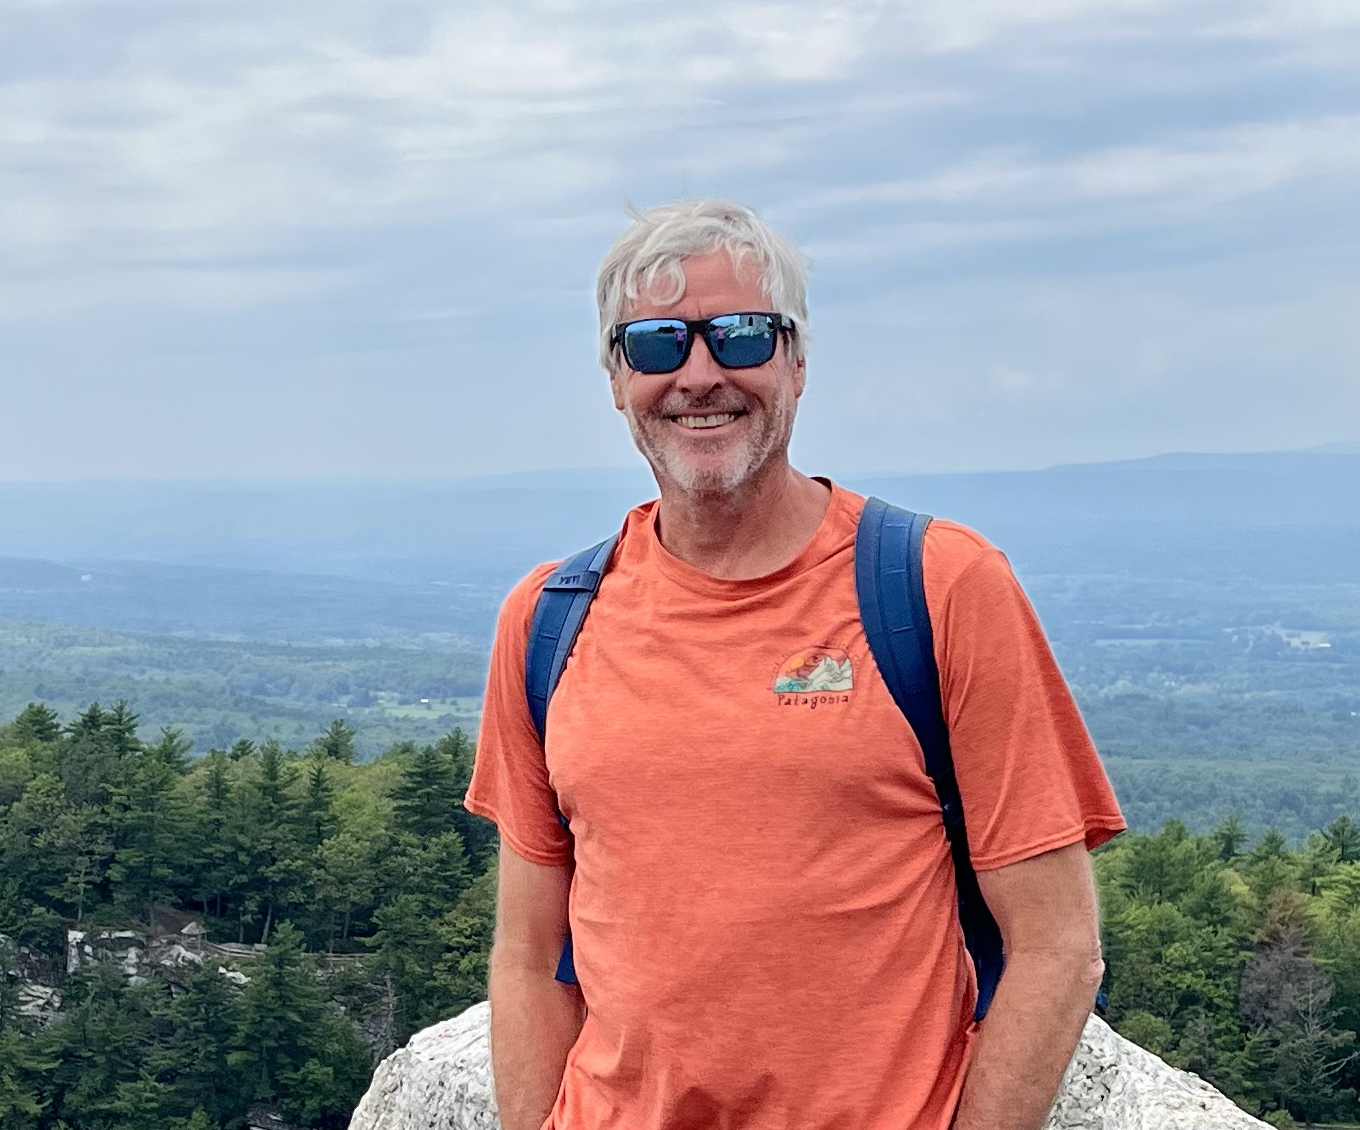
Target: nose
<point>700,374</point>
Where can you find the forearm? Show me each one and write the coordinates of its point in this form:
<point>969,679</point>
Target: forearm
<point>1027,1040</point>
<point>535,1020</point>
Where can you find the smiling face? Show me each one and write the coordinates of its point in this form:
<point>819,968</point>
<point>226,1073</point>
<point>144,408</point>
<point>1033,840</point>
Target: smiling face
<point>704,429</point>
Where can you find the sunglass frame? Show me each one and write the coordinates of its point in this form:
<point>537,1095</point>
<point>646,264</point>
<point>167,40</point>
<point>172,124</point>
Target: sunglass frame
<point>701,327</point>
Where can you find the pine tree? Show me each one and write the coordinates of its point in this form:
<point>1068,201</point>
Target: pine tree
<point>148,821</point>
<point>195,1056</point>
<point>1343,834</point>
<point>20,1104</point>
<point>426,798</point>
<point>96,1045</point>
<point>1271,845</point>
<point>405,950</point>
<point>34,843</point>
<point>1229,835</point>
<point>434,869</point>
<point>480,838</point>
<point>345,880</point>
<point>89,758</point>
<point>292,1047</point>
<point>466,932</point>
<point>280,1010</point>
<point>172,749</point>
<point>120,725</point>
<point>268,837</point>
<point>1287,998</point>
<point>318,804</point>
<point>212,863</point>
<point>337,743</point>
<point>36,723</point>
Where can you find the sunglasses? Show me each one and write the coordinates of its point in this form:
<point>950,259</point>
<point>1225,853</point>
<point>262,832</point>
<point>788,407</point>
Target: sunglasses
<point>736,341</point>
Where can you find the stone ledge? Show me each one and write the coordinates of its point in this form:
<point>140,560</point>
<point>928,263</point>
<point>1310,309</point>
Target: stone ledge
<point>441,1080</point>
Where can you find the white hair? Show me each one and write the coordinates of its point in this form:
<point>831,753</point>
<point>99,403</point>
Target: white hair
<point>650,251</point>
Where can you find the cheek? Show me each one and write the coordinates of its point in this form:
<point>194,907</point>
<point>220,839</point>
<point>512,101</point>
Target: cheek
<point>638,390</point>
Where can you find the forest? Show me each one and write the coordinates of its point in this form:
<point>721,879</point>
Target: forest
<point>368,886</point>
<point>359,900</point>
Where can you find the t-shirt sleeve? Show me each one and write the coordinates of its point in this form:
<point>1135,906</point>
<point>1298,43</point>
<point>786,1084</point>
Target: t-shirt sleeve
<point>510,783</point>
<point>1029,776</point>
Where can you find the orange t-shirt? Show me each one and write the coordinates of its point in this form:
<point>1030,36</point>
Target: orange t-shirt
<point>763,907</point>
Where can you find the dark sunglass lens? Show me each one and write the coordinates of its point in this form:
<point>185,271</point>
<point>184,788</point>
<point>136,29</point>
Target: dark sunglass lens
<point>656,345</point>
<point>742,341</point>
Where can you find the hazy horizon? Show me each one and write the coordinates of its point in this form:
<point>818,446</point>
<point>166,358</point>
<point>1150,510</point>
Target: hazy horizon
<point>639,469</point>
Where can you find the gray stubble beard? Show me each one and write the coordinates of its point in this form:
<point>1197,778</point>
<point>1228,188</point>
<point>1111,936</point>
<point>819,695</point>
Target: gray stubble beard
<point>667,462</point>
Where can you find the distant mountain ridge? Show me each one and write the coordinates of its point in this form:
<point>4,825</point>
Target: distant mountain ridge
<point>1292,515</point>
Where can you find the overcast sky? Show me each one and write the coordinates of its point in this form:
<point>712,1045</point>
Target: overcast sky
<point>252,239</point>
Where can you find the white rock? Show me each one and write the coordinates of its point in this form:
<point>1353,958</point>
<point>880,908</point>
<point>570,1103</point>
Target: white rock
<point>178,957</point>
<point>39,1002</point>
<point>75,944</point>
<point>441,1080</point>
<point>1112,1084</point>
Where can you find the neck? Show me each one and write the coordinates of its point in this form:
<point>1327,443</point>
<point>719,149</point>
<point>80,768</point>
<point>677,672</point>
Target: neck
<point>752,531</point>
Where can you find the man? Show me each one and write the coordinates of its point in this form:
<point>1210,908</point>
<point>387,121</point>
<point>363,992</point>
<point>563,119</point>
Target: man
<point>757,883</point>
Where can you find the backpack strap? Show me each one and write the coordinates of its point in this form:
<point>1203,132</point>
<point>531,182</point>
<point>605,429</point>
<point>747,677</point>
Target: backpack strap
<point>558,616</point>
<point>890,585</point>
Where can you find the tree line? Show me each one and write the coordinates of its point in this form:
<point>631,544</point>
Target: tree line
<point>1240,961</point>
<point>305,852</point>
<point>371,890</point>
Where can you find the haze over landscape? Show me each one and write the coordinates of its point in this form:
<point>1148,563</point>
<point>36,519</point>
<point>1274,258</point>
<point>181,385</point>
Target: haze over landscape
<point>1206,607</point>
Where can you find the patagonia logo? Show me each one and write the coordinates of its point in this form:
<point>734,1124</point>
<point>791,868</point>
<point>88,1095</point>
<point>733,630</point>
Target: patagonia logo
<point>814,676</point>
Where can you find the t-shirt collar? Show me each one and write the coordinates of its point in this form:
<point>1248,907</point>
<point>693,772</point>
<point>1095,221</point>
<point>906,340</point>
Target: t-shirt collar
<point>826,539</point>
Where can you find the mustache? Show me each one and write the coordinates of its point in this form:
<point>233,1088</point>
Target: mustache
<point>710,404</point>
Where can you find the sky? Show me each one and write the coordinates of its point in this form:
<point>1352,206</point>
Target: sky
<point>352,238</point>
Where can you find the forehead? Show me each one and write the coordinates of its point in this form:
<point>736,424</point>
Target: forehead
<point>714,284</point>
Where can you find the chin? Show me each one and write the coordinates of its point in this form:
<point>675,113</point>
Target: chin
<point>707,476</point>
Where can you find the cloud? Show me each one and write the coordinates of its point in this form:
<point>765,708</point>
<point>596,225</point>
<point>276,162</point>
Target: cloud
<point>292,191</point>
<point>1008,196</point>
<point>208,130</point>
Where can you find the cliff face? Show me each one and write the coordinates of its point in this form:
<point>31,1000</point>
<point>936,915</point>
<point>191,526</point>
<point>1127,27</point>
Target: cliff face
<point>441,1080</point>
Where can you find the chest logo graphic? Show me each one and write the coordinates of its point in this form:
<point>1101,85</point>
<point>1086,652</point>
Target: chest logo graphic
<point>813,669</point>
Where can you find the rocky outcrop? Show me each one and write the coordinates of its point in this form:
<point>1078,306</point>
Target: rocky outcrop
<point>136,952</point>
<point>33,977</point>
<point>139,953</point>
<point>1112,1084</point>
<point>441,1080</point>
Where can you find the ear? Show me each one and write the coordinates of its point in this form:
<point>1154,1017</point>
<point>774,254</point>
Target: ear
<point>616,388</point>
<point>799,376</point>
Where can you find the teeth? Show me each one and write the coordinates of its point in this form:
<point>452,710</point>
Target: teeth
<point>705,421</point>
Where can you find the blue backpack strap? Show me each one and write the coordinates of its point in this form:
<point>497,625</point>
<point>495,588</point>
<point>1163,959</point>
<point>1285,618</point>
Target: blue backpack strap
<point>890,585</point>
<point>558,616</point>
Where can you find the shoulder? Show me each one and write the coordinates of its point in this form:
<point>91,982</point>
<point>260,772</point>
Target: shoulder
<point>517,611</point>
<point>952,552</point>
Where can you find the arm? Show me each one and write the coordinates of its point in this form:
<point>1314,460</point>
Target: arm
<point>1046,908</point>
<point>535,1019</point>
